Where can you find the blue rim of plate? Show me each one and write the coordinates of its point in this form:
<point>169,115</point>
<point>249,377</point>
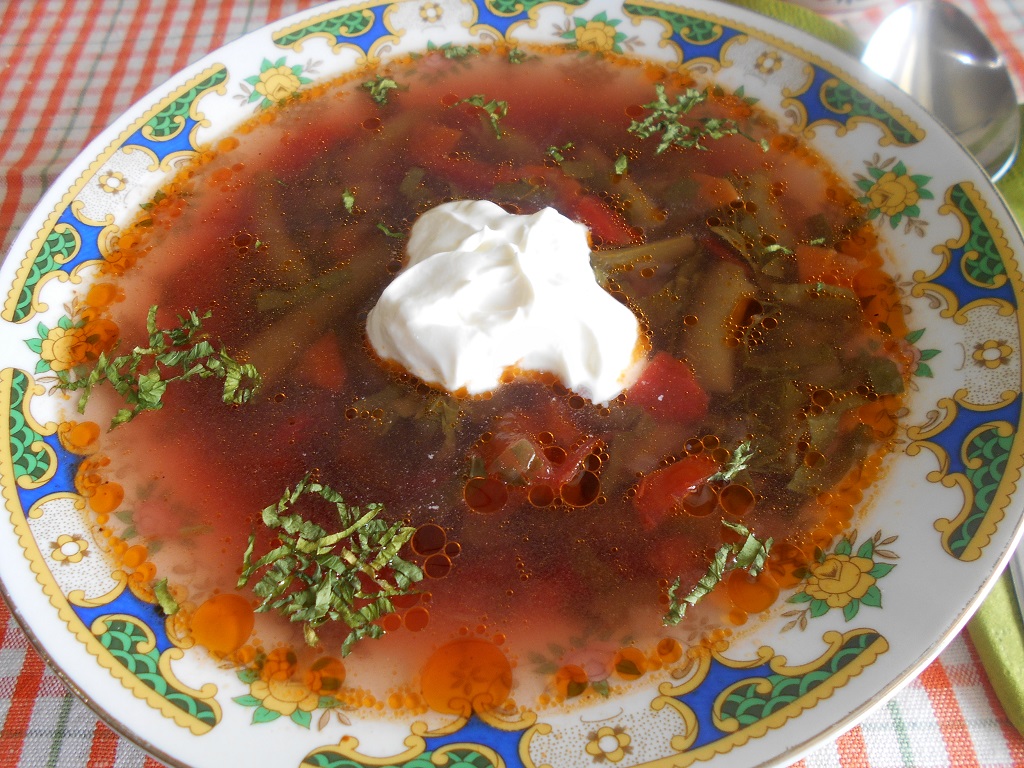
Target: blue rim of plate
<point>947,513</point>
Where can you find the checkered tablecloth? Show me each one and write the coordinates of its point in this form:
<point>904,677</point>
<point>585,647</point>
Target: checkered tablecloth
<point>67,67</point>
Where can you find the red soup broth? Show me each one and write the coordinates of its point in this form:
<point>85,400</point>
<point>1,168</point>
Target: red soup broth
<point>549,528</point>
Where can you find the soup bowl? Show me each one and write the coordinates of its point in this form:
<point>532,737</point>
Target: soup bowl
<point>875,605</point>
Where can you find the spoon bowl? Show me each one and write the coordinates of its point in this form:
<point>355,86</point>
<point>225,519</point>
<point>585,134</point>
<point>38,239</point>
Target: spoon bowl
<point>935,52</point>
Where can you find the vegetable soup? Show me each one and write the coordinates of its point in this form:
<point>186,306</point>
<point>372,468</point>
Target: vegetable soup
<point>318,515</point>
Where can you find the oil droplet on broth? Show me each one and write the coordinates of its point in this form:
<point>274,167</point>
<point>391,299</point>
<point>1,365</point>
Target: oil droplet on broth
<point>223,623</point>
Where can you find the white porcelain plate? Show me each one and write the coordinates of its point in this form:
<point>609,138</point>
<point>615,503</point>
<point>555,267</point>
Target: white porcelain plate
<point>929,540</point>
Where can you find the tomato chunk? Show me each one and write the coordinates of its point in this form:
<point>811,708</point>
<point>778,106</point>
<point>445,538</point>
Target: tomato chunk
<point>669,391</point>
<point>605,224</point>
<point>662,492</point>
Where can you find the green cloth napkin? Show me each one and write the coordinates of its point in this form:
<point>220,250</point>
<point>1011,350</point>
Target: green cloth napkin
<point>996,628</point>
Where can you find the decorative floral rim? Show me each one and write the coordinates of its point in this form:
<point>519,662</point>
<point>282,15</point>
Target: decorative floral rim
<point>946,512</point>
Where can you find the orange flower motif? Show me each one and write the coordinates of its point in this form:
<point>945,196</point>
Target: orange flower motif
<point>768,62</point>
<point>65,348</point>
<point>595,36</point>
<point>992,353</point>
<point>607,743</point>
<point>277,83</point>
<point>284,696</point>
<point>840,579</point>
<point>69,549</point>
<point>892,194</point>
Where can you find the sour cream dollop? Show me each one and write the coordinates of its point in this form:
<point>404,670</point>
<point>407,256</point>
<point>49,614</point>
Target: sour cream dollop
<point>485,291</point>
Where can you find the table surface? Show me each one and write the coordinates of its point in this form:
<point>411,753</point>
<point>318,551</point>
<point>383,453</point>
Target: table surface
<point>67,68</point>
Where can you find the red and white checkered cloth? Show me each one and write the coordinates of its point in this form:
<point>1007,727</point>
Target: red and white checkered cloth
<point>67,67</point>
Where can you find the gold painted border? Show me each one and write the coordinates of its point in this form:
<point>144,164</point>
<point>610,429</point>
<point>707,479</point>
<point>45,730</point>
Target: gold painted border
<point>37,563</point>
<point>777,719</point>
<point>28,257</point>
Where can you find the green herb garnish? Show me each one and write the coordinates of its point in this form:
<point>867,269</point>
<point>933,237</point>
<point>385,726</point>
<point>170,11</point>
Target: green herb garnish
<point>379,87</point>
<point>159,196</point>
<point>164,598</point>
<point>141,377</point>
<point>458,51</point>
<point>516,56</point>
<point>749,555</point>
<point>388,231</point>
<point>495,109</point>
<point>348,199</point>
<point>621,164</point>
<point>738,462</point>
<point>558,153</point>
<point>666,119</point>
<point>314,576</point>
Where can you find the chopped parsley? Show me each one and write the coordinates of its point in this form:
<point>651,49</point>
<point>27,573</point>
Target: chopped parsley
<point>666,119</point>
<point>164,598</point>
<point>558,153</point>
<point>517,56</point>
<point>348,199</point>
<point>451,51</point>
<point>379,87</point>
<point>748,555</point>
<point>178,354</point>
<point>494,109</point>
<point>157,198</point>
<point>388,231</point>
<point>738,462</point>
<point>313,576</point>
<point>621,164</point>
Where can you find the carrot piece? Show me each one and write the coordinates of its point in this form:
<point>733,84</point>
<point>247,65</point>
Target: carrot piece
<point>817,264</point>
<point>713,191</point>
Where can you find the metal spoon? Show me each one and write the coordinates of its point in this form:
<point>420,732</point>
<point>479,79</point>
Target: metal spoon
<point>933,51</point>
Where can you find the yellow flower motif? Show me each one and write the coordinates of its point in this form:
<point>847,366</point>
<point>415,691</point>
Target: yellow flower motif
<point>64,348</point>
<point>284,696</point>
<point>992,353</point>
<point>69,549</point>
<point>608,743</point>
<point>113,182</point>
<point>431,12</point>
<point>277,83</point>
<point>595,36</point>
<point>768,62</point>
<point>840,579</point>
<point>892,194</point>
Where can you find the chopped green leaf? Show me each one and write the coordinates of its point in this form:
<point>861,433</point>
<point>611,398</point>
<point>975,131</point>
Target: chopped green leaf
<point>621,164</point>
<point>516,56</point>
<point>141,377</point>
<point>348,199</point>
<point>666,119</point>
<point>313,576</point>
<point>494,109</point>
<point>458,51</point>
<point>379,87</point>
<point>388,231</point>
<point>164,598</point>
<point>738,462</point>
<point>558,153</point>
<point>749,555</point>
